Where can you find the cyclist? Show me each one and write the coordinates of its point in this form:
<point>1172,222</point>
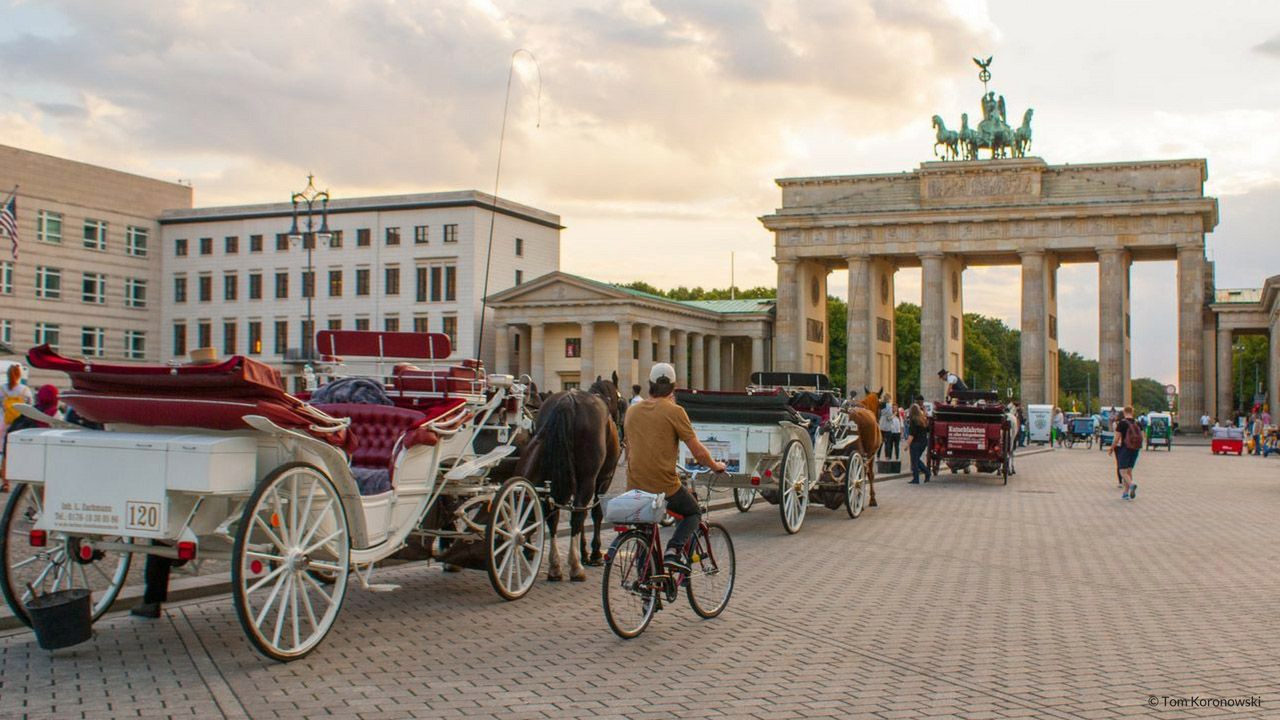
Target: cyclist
<point>654,428</point>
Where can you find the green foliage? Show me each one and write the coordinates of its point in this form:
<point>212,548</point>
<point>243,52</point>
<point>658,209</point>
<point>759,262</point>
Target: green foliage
<point>1249,367</point>
<point>1077,382</point>
<point>837,340</point>
<point>1149,396</point>
<point>991,354</point>
<point>906,339</point>
<point>698,293</point>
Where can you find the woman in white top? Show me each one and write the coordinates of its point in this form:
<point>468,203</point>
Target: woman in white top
<point>891,429</point>
<point>12,393</point>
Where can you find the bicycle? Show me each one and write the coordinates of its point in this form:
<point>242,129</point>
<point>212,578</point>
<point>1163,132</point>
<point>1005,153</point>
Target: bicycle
<point>636,584</point>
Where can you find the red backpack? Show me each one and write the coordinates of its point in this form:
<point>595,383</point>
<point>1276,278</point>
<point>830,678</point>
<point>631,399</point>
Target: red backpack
<point>1132,435</point>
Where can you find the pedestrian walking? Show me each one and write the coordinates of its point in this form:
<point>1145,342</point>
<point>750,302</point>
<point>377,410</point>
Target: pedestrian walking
<point>892,438</point>
<point>1204,424</point>
<point>918,440</point>
<point>1125,447</point>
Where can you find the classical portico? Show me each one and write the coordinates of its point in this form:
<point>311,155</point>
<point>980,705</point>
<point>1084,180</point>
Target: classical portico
<point>563,330</point>
<point>1237,312</point>
<point>946,216</point>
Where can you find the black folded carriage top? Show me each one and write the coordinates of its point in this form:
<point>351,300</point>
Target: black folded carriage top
<point>788,379</point>
<point>973,396</point>
<point>737,408</point>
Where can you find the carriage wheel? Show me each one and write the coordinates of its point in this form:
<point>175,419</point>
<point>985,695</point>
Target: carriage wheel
<point>713,571</point>
<point>744,498</point>
<point>64,563</point>
<point>293,525</point>
<point>856,488</point>
<point>516,537</point>
<point>1004,469</point>
<point>793,487</point>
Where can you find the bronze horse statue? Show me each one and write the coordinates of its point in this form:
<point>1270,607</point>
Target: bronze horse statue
<point>575,450</point>
<point>866,417</point>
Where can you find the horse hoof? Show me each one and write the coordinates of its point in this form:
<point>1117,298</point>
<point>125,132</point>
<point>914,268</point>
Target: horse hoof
<point>452,568</point>
<point>579,578</point>
<point>554,578</point>
<point>596,561</point>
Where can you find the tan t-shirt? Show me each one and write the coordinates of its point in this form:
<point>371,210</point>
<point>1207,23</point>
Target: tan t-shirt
<point>653,430</point>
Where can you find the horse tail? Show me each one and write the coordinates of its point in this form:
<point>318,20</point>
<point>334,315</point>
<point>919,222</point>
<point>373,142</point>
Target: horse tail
<point>557,449</point>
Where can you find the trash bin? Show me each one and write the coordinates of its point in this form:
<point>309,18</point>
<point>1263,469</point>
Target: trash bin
<point>61,619</point>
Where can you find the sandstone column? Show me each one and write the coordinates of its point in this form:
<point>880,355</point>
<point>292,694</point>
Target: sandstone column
<point>757,354</point>
<point>681,358</point>
<point>1039,376</point>
<point>713,362</point>
<point>524,336</point>
<point>788,344</point>
<point>538,354</point>
<point>1226,363</point>
<point>1190,333</point>
<point>587,373</point>
<point>698,368</point>
<point>664,345</point>
<point>626,362</point>
<point>933,325</point>
<point>1274,381</point>
<point>858,333</point>
<point>1113,327</point>
<point>502,349</point>
<point>646,358</point>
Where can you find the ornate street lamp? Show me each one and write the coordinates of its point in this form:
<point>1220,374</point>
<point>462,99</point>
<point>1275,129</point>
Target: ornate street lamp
<point>309,197</point>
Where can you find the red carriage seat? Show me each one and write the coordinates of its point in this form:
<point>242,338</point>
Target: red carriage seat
<point>381,431</point>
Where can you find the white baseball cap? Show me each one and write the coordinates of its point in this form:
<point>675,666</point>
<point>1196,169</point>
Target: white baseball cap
<point>662,371</point>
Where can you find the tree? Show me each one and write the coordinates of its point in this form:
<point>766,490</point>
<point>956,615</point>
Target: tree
<point>837,341</point>
<point>1149,396</point>
<point>1249,367</point>
<point>991,354</point>
<point>906,340</point>
<point>1077,382</point>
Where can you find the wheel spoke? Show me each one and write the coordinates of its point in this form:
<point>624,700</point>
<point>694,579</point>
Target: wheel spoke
<point>271,599</point>
<point>293,508</point>
<point>271,535</point>
<point>321,543</point>
<point>319,521</point>
<point>279,513</point>
<point>327,567</point>
<point>284,607</point>
<point>293,612</point>
<point>321,589</point>
<point>264,556</point>
<point>306,604</point>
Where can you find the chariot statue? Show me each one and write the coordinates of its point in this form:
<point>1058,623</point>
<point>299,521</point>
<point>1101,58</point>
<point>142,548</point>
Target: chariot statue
<point>992,132</point>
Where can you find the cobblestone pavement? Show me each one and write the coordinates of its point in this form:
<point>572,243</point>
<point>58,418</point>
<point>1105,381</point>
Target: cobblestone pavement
<point>1050,597</point>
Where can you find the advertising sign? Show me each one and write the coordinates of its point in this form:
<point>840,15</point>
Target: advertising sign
<point>726,446</point>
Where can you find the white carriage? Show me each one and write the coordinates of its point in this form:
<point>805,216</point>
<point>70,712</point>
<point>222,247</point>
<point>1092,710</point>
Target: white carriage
<point>217,462</point>
<point>787,440</point>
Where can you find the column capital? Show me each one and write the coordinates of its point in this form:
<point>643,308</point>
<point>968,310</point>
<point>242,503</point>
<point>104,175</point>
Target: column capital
<point>1188,248</point>
<point>931,255</point>
<point>1032,252</point>
<point>1112,251</point>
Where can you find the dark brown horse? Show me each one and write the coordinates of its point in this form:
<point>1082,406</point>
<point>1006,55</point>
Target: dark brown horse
<point>575,450</point>
<point>866,416</point>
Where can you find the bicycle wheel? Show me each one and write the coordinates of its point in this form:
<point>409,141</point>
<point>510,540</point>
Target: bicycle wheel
<point>714,569</point>
<point>627,592</point>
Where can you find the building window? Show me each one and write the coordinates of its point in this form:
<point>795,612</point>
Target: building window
<point>393,236</point>
<point>308,333</point>
<point>135,293</point>
<point>48,334</point>
<point>519,247</point>
<point>180,247</point>
<point>255,286</point>
<point>335,239</point>
<point>204,334</point>
<point>255,243</point>
<point>437,287</point>
<point>282,336</point>
<point>93,341</point>
<point>420,234</point>
<point>206,246</point>
<point>6,278</point>
<point>362,323</point>
<point>230,286</point>
<point>95,234</point>
<point>282,285</point>
<point>362,237</point>
<point>282,242</point>
<point>362,281</point>
<point>635,349</point>
<point>229,337</point>
<point>49,227</point>
<point>451,233</point>
<point>179,289</point>
<point>335,283</point>
<point>335,323</point>
<point>48,283</point>
<point>519,277</point>
<point>93,289</point>
<point>6,331</point>
<point>391,283</point>
<point>420,284</point>
<point>135,241</point>
<point>391,323</point>
<point>205,288</point>
<point>255,337</point>
<point>179,339</point>
<point>135,345</point>
<point>231,244</point>
<point>573,347</point>
<point>449,326</point>
<point>955,328</point>
<point>421,324</point>
<point>308,283</point>
<point>450,283</point>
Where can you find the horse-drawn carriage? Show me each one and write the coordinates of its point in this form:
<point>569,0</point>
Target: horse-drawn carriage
<point>973,428</point>
<point>217,461</point>
<point>787,439</point>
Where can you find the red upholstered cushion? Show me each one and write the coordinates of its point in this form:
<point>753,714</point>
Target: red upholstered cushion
<point>378,428</point>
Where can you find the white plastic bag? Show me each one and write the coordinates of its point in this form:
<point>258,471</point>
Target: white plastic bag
<point>636,506</point>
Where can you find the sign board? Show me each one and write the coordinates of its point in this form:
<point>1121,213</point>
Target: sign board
<point>726,446</point>
<point>966,436</point>
<point>1039,422</point>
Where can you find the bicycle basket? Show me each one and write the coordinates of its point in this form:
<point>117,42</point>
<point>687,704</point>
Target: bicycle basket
<point>635,507</point>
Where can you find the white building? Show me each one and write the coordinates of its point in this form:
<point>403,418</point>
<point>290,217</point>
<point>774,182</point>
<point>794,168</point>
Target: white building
<point>233,280</point>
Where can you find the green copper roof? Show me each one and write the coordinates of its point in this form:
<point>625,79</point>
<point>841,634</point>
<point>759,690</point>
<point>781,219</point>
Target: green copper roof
<point>732,306</point>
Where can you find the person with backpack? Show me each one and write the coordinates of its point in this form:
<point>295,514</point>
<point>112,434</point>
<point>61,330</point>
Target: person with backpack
<point>918,440</point>
<point>1126,446</point>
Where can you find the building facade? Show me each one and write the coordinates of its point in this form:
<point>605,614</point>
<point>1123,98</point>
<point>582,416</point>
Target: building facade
<point>88,272</point>
<point>563,330</point>
<point>234,281</point>
<point>1238,312</point>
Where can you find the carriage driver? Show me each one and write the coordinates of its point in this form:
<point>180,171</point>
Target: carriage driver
<point>953,381</point>
<point>653,429</point>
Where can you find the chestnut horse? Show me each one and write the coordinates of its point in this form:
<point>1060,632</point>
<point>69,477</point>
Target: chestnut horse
<point>866,417</point>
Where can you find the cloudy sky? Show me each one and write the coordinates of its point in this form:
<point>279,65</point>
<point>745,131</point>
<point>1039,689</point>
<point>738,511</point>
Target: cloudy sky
<point>660,124</point>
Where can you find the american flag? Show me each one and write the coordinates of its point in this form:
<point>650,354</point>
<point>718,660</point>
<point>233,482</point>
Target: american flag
<point>9,223</point>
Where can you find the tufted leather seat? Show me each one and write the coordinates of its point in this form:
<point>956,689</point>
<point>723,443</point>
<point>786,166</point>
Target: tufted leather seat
<point>380,430</point>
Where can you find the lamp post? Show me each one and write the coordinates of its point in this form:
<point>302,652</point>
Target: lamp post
<point>310,196</point>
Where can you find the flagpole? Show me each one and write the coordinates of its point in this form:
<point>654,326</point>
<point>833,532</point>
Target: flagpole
<point>12,192</point>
